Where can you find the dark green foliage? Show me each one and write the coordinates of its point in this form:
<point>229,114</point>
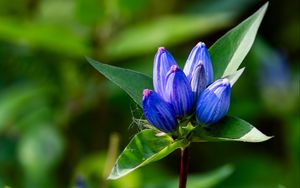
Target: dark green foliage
<point>57,114</point>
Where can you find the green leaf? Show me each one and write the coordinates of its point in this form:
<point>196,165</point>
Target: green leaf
<point>164,31</point>
<point>235,76</point>
<point>145,147</point>
<point>51,37</point>
<point>40,149</point>
<point>229,129</point>
<point>207,180</point>
<point>210,179</point>
<point>230,50</point>
<point>16,100</point>
<point>130,81</point>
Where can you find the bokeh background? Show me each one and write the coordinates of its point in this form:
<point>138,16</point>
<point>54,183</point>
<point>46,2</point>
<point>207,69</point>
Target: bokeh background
<point>62,124</point>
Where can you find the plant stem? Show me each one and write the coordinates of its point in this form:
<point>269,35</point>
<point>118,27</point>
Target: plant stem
<point>185,155</point>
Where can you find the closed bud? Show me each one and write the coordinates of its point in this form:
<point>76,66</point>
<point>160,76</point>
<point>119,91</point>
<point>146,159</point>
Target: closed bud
<point>158,112</point>
<point>198,80</point>
<point>199,54</point>
<point>163,60</point>
<point>213,103</point>
<point>178,91</point>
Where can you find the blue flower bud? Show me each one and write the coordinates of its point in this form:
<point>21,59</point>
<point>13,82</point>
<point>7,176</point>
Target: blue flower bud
<point>199,53</point>
<point>178,91</point>
<point>158,112</point>
<point>214,101</point>
<point>163,60</point>
<point>198,80</point>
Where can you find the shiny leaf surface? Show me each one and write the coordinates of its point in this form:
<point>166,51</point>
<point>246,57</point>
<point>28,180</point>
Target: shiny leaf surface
<point>145,147</point>
<point>229,129</point>
<point>130,81</point>
<point>230,50</point>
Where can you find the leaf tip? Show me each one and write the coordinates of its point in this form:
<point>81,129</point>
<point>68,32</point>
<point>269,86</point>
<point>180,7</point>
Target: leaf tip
<point>255,136</point>
<point>90,60</point>
<point>242,69</point>
<point>235,76</point>
<point>87,58</point>
<point>266,4</point>
<point>228,169</point>
<point>114,174</point>
<point>111,177</point>
<point>264,8</point>
<point>268,138</point>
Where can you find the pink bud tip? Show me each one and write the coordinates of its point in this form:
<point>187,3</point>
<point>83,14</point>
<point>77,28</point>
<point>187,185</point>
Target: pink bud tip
<point>161,49</point>
<point>147,92</point>
<point>174,68</point>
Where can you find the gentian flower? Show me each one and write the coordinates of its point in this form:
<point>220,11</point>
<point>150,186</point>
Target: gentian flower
<point>158,112</point>
<point>199,54</point>
<point>177,94</point>
<point>163,61</point>
<point>198,80</point>
<point>214,101</point>
<point>172,97</point>
<point>178,91</point>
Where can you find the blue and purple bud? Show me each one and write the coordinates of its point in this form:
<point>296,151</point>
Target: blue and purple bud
<point>199,53</point>
<point>178,92</point>
<point>213,104</point>
<point>198,80</point>
<point>163,61</point>
<point>158,112</point>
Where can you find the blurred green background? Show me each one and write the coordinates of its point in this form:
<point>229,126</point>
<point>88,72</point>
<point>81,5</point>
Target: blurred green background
<point>62,124</point>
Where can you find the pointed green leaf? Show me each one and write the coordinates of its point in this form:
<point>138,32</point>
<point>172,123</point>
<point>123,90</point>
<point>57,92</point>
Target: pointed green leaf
<point>229,129</point>
<point>230,50</point>
<point>130,81</point>
<point>235,76</point>
<point>145,147</point>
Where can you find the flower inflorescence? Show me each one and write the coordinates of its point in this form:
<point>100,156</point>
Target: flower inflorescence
<point>181,93</point>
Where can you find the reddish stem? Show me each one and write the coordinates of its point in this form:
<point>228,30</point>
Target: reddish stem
<point>185,155</point>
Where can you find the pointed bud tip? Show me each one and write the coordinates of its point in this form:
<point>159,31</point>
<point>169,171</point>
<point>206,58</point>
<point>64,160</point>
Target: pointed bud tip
<point>199,64</point>
<point>201,44</point>
<point>226,81</point>
<point>174,68</point>
<point>161,49</point>
<point>147,92</point>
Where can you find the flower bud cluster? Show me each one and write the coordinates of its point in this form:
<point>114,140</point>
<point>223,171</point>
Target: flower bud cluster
<point>179,93</point>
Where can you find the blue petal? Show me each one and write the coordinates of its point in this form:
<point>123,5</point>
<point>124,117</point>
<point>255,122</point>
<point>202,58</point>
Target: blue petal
<point>198,80</point>
<point>179,92</point>
<point>214,102</point>
<point>163,60</point>
<point>199,53</point>
<point>158,112</point>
